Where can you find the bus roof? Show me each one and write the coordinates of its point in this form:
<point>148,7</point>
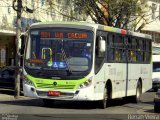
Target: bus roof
<point>137,34</point>
<point>88,26</point>
<point>72,24</point>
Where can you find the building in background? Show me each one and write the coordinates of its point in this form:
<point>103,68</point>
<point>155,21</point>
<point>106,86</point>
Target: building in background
<point>153,26</point>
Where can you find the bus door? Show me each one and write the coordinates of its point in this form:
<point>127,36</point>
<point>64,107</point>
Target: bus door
<point>116,63</point>
<point>120,60</point>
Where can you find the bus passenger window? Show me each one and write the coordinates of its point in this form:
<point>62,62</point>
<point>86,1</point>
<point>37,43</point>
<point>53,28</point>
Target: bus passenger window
<point>123,56</point>
<point>110,54</point>
<point>117,55</point>
<point>132,56</point>
<point>98,52</point>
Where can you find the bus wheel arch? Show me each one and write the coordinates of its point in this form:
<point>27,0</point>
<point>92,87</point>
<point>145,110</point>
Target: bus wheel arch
<point>109,88</point>
<point>107,95</point>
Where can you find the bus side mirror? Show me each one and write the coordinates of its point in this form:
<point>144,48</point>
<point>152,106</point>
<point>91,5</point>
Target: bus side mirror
<point>102,44</point>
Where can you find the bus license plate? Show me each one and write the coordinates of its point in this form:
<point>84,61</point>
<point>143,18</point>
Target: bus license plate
<point>53,93</point>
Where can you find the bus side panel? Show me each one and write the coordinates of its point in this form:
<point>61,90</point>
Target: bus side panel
<point>146,72</point>
<point>133,76</point>
<point>116,72</point>
<point>99,84</point>
<point>136,72</point>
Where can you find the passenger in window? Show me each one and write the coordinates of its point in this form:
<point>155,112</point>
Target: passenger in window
<point>117,56</point>
<point>132,56</point>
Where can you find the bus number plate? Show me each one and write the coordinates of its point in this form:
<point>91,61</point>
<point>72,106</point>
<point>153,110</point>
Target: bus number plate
<point>53,93</point>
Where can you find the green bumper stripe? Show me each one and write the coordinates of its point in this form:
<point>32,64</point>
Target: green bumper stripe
<point>41,83</point>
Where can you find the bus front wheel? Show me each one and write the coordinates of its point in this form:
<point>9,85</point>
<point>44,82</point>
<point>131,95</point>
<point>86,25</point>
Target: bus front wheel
<point>103,102</point>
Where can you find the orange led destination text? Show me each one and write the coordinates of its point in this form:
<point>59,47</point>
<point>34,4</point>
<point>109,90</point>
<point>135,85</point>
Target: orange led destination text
<point>77,35</point>
<point>58,35</point>
<point>45,35</point>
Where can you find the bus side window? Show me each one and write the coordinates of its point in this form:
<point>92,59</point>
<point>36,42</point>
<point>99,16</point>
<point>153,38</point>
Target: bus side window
<point>134,47</point>
<point>110,47</point>
<point>99,56</point>
<point>124,49</point>
<point>141,50</point>
<point>118,46</point>
<point>98,52</point>
<point>148,51</point>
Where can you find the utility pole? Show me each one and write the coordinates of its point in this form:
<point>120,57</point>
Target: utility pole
<point>17,6</point>
<point>18,9</point>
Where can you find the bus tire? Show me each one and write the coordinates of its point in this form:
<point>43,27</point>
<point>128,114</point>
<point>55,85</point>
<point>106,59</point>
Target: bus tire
<point>136,98</point>
<point>103,102</point>
<point>48,102</point>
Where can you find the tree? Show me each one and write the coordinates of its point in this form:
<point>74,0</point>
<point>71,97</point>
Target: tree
<point>116,13</point>
<point>126,14</point>
<point>63,10</point>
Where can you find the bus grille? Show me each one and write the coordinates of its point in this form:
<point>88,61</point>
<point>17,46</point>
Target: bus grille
<point>59,86</point>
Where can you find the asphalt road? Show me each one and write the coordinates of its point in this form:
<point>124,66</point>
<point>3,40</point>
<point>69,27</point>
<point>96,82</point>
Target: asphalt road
<point>29,108</point>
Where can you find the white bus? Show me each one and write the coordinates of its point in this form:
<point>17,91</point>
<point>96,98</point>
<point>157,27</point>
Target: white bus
<point>85,62</point>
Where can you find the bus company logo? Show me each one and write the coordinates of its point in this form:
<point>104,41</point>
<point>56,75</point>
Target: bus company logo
<point>55,83</point>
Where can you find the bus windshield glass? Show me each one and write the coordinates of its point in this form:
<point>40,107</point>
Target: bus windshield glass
<point>60,49</point>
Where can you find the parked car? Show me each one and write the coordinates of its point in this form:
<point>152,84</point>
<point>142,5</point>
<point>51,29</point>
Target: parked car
<point>7,78</point>
<point>157,101</point>
<point>156,73</point>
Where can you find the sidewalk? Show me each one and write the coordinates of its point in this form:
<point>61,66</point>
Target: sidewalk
<point>10,97</point>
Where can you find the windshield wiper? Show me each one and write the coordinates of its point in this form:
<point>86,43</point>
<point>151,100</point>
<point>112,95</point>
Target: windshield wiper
<point>69,71</point>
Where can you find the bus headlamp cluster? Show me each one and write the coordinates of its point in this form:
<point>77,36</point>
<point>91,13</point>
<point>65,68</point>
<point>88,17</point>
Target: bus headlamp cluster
<point>85,84</point>
<point>28,82</point>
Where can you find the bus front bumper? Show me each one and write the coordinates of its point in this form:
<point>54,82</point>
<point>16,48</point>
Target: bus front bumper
<point>85,94</point>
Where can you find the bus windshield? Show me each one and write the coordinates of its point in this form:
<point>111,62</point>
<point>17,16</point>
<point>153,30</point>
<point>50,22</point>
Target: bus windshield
<point>156,66</point>
<point>60,49</point>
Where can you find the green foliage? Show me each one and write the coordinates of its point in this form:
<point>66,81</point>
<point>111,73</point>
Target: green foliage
<point>117,13</point>
<point>125,14</point>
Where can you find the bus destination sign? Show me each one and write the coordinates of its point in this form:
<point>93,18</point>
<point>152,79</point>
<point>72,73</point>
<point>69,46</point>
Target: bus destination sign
<point>69,35</point>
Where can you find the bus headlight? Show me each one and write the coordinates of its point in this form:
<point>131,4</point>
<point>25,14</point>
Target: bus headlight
<point>28,82</point>
<point>85,84</point>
